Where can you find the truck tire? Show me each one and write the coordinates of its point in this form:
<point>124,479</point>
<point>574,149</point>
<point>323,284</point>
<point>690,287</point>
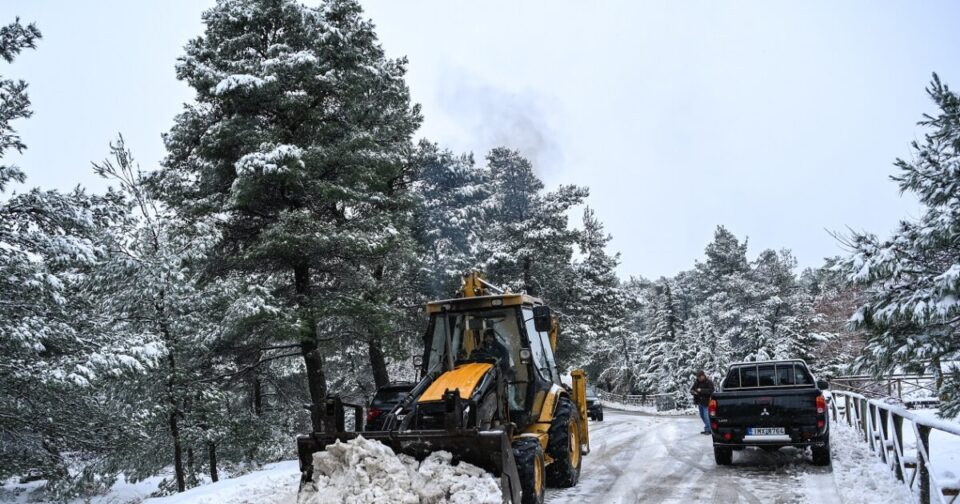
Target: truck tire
<point>821,454</point>
<point>600,416</point>
<point>530,467</point>
<point>563,446</point>
<point>722,455</point>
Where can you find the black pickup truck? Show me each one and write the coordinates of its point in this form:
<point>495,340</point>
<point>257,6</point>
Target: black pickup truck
<point>769,405</point>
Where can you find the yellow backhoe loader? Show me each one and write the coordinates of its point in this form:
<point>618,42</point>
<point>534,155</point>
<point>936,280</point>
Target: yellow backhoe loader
<point>491,394</point>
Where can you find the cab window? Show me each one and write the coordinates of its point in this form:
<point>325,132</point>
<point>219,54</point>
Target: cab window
<point>767,376</point>
<point>540,360</point>
<point>548,351</point>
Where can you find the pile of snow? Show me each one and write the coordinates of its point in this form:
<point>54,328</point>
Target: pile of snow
<point>363,471</point>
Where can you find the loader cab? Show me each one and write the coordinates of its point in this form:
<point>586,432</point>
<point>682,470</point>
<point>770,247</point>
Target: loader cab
<point>503,329</point>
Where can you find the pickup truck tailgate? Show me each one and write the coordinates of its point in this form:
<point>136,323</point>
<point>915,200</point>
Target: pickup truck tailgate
<point>779,407</point>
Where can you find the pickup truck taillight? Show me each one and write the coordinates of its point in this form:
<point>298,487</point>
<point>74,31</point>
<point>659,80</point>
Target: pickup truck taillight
<point>373,413</point>
<point>821,405</point>
<point>712,407</point>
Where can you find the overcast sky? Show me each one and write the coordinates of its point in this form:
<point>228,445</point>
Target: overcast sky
<point>778,120</point>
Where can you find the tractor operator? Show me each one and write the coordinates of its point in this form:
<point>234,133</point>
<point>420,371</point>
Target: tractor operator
<point>491,348</point>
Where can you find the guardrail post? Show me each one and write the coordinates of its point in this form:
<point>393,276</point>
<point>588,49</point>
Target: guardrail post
<point>884,433</point>
<point>898,444</point>
<point>871,425</point>
<point>922,463</point>
<point>846,410</point>
<point>862,416</point>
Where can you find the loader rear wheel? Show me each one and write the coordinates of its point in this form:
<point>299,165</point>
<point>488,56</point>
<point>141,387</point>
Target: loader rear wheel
<point>563,446</point>
<point>531,468</point>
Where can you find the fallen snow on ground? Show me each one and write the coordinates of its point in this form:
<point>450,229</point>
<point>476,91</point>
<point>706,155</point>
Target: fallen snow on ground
<point>275,483</point>
<point>122,492</point>
<point>944,448</point>
<point>859,474</point>
<point>634,458</point>
<point>364,471</point>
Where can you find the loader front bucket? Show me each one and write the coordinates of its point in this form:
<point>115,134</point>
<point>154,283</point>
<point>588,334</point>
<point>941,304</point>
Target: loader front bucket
<point>490,450</point>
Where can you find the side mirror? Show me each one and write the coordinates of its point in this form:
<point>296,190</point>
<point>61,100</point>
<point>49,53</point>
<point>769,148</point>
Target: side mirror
<point>823,384</point>
<point>418,361</point>
<point>542,318</point>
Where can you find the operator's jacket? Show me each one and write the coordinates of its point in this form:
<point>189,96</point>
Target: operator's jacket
<point>494,351</point>
<point>701,398</point>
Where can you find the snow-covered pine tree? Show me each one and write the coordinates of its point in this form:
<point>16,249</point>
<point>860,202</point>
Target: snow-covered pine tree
<point>616,362</point>
<point>527,243</point>
<point>834,299</point>
<point>297,144</point>
<point>600,307</point>
<point>52,354</point>
<point>663,353</point>
<point>212,336</point>
<point>912,279</point>
<point>723,294</point>
<point>14,101</point>
<point>450,216</point>
<point>782,312</point>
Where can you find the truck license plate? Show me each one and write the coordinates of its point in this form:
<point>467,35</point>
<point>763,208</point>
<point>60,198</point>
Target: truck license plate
<point>765,431</point>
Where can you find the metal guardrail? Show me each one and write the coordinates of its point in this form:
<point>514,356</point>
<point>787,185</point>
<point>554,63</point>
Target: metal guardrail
<point>881,427</point>
<point>911,390</point>
<point>631,399</point>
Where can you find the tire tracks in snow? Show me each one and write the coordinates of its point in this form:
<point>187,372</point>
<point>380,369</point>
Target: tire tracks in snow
<point>659,460</point>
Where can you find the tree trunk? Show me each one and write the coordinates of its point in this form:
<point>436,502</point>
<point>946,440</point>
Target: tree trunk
<point>309,347</point>
<point>212,451</point>
<point>171,392</point>
<point>191,468</point>
<point>177,452</point>
<point>257,395</point>
<point>527,280</point>
<point>938,374</point>
<point>378,362</point>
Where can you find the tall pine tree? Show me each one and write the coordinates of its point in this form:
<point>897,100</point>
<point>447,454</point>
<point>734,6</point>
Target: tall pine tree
<point>297,143</point>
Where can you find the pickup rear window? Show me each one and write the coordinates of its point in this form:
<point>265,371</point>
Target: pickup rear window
<point>767,375</point>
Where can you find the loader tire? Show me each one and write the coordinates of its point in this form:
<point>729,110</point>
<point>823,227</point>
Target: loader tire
<point>563,446</point>
<point>487,411</point>
<point>531,468</point>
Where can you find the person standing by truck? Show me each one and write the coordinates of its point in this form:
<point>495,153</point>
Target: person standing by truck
<point>702,389</point>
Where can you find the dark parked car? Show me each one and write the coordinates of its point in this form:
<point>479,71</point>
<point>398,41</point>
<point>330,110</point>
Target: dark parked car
<point>594,407</point>
<point>770,405</point>
<point>385,399</point>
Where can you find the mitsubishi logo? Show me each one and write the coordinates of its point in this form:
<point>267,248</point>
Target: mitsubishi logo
<point>764,412</point>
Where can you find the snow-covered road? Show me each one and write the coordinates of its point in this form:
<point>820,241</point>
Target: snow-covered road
<point>637,458</point>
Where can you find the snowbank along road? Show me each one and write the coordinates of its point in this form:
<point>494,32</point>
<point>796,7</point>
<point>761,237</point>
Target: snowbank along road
<point>637,458</point>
